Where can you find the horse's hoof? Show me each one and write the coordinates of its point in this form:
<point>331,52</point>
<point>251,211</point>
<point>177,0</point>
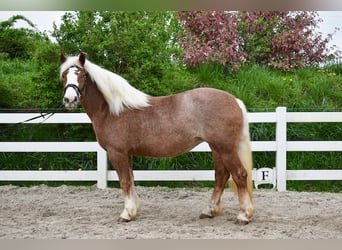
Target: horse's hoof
<point>122,220</point>
<point>241,222</point>
<point>205,216</point>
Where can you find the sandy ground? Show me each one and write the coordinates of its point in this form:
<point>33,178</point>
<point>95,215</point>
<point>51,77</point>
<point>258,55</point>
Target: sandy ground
<point>65,212</point>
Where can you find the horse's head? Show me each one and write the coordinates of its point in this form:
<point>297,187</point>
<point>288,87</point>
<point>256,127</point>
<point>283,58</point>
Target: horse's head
<point>74,79</point>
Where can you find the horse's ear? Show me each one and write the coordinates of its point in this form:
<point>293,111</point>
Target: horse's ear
<point>62,58</point>
<point>82,58</point>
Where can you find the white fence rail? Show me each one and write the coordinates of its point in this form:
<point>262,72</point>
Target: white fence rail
<point>276,176</point>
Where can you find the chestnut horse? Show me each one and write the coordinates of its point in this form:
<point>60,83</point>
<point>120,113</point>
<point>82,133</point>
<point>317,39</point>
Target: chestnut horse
<point>128,122</point>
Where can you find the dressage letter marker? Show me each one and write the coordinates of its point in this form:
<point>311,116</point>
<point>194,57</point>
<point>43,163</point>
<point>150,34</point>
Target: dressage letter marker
<point>265,176</point>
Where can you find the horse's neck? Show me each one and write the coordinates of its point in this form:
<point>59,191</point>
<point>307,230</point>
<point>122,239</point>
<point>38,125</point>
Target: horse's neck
<point>93,102</point>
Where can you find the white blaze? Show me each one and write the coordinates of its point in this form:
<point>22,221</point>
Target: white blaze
<point>71,93</point>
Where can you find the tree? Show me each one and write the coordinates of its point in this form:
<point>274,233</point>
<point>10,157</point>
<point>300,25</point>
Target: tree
<point>47,88</point>
<point>138,45</point>
<point>17,43</point>
<point>34,81</point>
<point>281,39</point>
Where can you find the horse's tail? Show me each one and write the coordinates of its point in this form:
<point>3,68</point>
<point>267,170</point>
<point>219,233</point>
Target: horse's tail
<point>245,152</point>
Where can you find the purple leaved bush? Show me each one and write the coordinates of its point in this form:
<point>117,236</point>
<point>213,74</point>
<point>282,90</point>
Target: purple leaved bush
<point>281,39</point>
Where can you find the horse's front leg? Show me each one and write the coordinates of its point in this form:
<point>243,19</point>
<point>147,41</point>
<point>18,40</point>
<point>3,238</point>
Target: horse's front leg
<point>123,166</point>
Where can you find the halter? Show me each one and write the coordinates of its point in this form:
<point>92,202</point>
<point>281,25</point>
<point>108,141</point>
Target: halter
<point>74,86</point>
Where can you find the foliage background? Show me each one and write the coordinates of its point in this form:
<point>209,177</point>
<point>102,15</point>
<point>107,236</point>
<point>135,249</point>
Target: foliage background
<point>153,51</point>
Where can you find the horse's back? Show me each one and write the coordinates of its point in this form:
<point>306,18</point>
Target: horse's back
<point>213,103</point>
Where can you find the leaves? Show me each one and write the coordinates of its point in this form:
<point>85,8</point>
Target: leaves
<point>211,37</point>
<point>12,20</point>
<point>135,44</point>
<point>18,43</point>
<point>281,39</point>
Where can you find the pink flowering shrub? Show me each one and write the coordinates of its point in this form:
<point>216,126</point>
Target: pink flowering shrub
<point>211,37</point>
<point>283,40</point>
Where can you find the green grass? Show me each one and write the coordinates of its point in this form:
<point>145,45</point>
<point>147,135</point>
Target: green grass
<point>261,88</point>
<point>48,161</point>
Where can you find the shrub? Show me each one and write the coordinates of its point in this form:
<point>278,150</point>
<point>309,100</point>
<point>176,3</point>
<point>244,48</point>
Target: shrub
<point>211,37</point>
<point>281,39</point>
<point>138,45</point>
<point>18,43</point>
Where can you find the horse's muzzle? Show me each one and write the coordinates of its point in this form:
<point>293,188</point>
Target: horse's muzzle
<point>70,103</point>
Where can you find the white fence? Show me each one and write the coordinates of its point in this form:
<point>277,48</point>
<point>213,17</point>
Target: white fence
<point>276,176</point>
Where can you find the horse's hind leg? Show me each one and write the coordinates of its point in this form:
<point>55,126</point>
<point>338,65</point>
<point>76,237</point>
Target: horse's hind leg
<point>239,174</point>
<point>221,177</point>
<point>123,166</point>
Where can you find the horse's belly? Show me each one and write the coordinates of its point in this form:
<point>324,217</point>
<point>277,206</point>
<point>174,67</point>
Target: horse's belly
<point>161,149</point>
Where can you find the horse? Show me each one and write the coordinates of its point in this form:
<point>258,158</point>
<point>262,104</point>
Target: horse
<point>128,122</point>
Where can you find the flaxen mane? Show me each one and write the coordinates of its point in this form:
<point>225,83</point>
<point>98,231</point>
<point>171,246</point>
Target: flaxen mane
<point>116,90</point>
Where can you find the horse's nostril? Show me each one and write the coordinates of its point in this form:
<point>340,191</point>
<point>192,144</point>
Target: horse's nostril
<point>70,100</point>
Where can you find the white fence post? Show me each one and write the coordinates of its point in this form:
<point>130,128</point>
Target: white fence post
<point>281,137</point>
<point>102,175</point>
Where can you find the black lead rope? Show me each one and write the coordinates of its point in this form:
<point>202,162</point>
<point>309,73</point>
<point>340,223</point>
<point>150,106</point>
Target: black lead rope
<point>42,115</point>
<point>37,117</point>
<point>45,116</point>
<point>49,114</point>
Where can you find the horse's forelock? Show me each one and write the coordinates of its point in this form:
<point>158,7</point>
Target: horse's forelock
<point>70,61</point>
